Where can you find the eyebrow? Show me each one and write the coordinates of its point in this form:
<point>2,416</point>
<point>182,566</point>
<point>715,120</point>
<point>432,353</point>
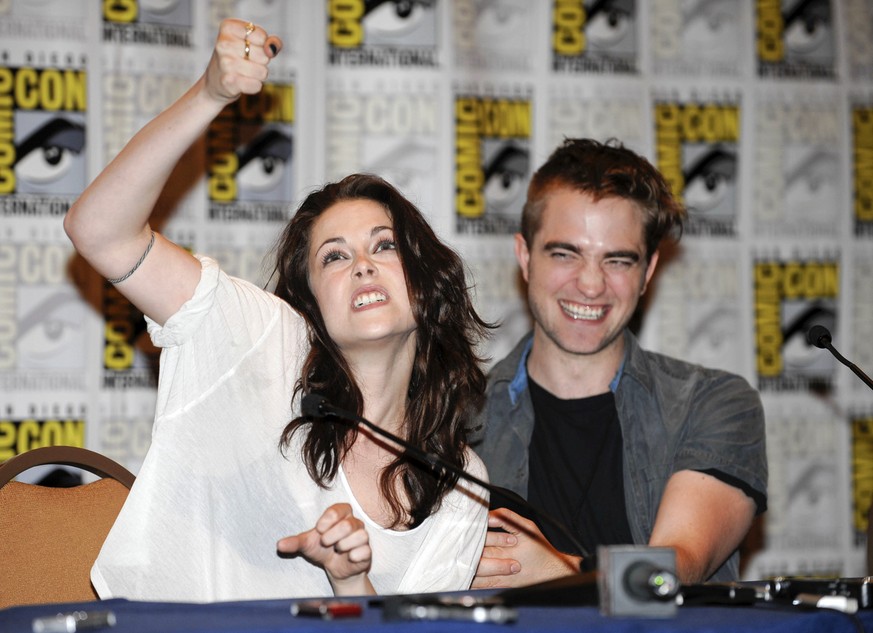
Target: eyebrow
<point>566,246</point>
<point>341,240</point>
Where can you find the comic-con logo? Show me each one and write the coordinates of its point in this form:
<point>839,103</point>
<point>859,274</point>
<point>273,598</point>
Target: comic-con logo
<point>594,36</point>
<point>790,297</point>
<point>42,318</point>
<point>382,32</point>
<point>862,169</point>
<point>862,472</point>
<point>129,358</point>
<point>696,147</point>
<point>492,162</point>
<point>20,436</point>
<point>795,38</point>
<point>148,22</point>
<point>249,156</point>
<point>390,131</point>
<point>42,130</point>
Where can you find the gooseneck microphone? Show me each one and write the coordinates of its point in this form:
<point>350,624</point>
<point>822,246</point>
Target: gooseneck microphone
<point>649,583</point>
<point>819,336</point>
<point>318,407</point>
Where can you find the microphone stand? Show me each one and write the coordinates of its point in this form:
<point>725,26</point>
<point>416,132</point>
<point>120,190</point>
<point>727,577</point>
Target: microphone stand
<point>314,405</point>
<point>656,584</point>
<point>819,336</point>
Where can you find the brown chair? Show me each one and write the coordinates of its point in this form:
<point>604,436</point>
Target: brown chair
<point>50,537</point>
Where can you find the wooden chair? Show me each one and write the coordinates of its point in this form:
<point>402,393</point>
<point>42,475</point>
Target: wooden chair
<point>50,537</point>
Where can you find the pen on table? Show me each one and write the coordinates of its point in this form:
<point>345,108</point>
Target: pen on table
<point>845,604</point>
<point>73,621</point>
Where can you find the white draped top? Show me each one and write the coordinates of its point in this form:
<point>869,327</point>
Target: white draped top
<point>215,493</point>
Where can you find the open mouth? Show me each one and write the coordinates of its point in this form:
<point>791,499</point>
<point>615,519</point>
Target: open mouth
<point>582,312</point>
<point>369,298</point>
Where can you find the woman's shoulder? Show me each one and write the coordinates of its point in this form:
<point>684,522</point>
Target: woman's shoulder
<point>224,304</point>
<point>474,464</point>
<point>248,296</point>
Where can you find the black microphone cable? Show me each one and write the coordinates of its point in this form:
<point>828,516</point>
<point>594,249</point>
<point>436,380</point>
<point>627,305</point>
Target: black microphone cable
<point>316,406</point>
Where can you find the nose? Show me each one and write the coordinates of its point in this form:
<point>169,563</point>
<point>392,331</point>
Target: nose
<point>364,266</point>
<point>590,280</point>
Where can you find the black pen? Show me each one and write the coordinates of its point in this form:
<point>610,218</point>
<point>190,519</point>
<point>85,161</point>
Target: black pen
<point>73,621</point>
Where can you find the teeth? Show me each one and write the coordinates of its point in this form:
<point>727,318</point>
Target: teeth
<point>586,313</point>
<point>369,297</point>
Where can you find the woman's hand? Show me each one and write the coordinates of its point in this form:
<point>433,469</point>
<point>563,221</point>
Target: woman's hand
<point>338,543</point>
<point>232,71</point>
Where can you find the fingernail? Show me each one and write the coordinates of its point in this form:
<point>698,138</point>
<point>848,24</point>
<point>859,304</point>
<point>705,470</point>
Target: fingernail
<point>514,568</point>
<point>511,540</point>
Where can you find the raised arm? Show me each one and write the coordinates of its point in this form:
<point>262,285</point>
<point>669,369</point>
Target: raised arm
<point>109,225</point>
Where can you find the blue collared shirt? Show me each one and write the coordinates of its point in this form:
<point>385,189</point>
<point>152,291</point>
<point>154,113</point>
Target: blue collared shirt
<point>518,385</point>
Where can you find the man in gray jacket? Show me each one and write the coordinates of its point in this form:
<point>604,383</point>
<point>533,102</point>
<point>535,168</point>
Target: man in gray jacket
<point>618,444</point>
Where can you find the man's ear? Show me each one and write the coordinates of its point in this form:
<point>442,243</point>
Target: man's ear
<point>650,271</point>
<point>522,255</point>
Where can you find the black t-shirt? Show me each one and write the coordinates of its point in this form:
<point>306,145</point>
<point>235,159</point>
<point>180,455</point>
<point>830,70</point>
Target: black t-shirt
<point>576,469</point>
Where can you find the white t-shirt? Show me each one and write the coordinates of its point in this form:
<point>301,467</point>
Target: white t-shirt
<point>215,493</point>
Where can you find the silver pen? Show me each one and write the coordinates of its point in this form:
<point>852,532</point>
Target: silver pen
<point>73,621</point>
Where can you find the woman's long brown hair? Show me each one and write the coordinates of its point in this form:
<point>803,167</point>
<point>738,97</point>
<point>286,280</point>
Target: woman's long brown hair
<point>447,384</point>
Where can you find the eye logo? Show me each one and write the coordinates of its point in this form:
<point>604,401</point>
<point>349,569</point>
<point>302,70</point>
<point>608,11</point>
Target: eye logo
<point>48,155</point>
<point>382,32</point>
<point>808,30</point>
<point>709,182</point>
<point>610,25</point>
<point>796,38</point>
<point>797,354</point>
<point>50,331</point>
<point>262,163</point>
<point>505,177</point>
<point>394,20</point>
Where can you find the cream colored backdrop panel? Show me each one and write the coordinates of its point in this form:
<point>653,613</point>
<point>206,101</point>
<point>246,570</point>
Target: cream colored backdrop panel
<point>760,114</point>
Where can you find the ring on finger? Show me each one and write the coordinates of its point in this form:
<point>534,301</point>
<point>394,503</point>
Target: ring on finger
<point>247,49</point>
<point>249,28</point>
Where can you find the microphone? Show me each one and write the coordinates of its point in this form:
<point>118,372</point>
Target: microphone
<point>644,585</point>
<point>317,406</point>
<point>820,336</point>
<point>646,581</point>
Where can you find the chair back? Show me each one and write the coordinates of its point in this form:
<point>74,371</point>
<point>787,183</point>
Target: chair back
<point>50,537</point>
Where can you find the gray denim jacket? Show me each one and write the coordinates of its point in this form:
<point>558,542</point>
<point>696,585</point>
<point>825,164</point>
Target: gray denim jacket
<point>674,416</point>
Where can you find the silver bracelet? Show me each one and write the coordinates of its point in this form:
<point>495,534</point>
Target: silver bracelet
<point>136,265</point>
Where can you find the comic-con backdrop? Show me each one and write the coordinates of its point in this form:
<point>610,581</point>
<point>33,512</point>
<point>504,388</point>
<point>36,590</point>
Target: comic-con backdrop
<point>760,114</point>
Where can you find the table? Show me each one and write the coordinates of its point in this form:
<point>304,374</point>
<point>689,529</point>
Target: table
<point>274,616</point>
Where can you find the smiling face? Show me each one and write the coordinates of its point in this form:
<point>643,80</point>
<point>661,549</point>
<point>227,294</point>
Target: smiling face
<point>357,277</point>
<point>586,271</point>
